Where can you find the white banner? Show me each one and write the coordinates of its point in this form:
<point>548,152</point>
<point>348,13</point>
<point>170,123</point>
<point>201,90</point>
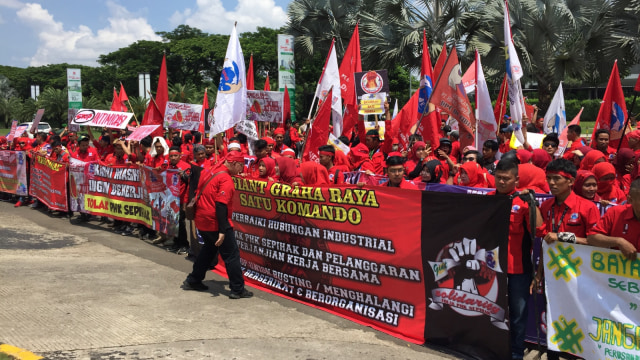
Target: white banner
<point>182,116</point>
<point>102,118</point>
<point>74,88</point>
<point>593,299</point>
<point>265,106</point>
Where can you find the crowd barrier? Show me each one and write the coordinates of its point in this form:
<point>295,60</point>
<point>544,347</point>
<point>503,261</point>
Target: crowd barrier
<point>427,267</point>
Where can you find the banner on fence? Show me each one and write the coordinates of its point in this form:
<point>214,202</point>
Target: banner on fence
<point>182,116</point>
<point>49,182</point>
<point>128,193</point>
<point>593,296</point>
<point>13,172</point>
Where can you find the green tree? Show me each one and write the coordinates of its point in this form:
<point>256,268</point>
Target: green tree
<point>55,103</point>
<point>184,93</point>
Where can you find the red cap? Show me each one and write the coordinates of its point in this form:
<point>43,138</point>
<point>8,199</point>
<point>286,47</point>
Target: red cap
<point>278,131</point>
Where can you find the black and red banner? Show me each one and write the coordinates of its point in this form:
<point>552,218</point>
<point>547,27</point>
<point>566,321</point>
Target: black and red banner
<point>381,257</point>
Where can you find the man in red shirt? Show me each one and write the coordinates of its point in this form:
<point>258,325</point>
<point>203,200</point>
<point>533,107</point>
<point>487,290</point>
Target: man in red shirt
<point>58,153</point>
<point>520,267</point>
<point>602,143</point>
<point>119,157</point>
<point>620,226</point>
<point>104,147</point>
<point>213,221</point>
<point>395,171</point>
<point>372,140</point>
<point>278,136</point>
<point>84,151</point>
<point>180,243</point>
<point>327,156</point>
<point>260,150</point>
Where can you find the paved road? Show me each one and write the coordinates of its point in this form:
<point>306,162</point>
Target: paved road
<point>77,291</point>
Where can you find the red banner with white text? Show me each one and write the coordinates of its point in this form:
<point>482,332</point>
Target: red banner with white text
<point>49,182</point>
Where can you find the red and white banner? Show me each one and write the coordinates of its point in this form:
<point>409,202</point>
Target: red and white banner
<point>265,106</point>
<point>13,172</point>
<point>141,132</point>
<point>49,182</point>
<point>182,116</point>
<point>102,118</point>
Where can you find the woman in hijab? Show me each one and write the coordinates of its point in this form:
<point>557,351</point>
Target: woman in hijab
<point>624,163</point>
<point>586,185</point>
<point>416,156</point>
<point>472,176</point>
<point>341,161</point>
<point>592,158</point>
<point>287,171</point>
<point>431,173</point>
<point>540,158</point>
<point>267,169</point>
<point>314,174</point>
<point>532,177</point>
<point>606,176</point>
<point>359,156</point>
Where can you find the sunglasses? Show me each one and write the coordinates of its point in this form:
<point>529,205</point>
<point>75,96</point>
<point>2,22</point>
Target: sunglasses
<point>550,144</point>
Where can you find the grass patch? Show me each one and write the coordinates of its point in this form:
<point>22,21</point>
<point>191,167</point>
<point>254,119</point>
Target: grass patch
<point>4,356</point>
<point>2,133</point>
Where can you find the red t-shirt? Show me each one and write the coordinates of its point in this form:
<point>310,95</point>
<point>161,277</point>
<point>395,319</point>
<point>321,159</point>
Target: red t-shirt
<point>520,239</point>
<point>103,151</point>
<point>619,221</point>
<point>89,155</point>
<point>113,160</point>
<point>161,161</point>
<point>580,215</point>
<point>184,187</point>
<point>220,189</point>
<point>377,160</point>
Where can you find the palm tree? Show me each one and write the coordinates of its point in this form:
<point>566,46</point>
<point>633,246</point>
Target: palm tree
<point>10,108</point>
<point>139,105</point>
<point>56,105</point>
<point>184,93</point>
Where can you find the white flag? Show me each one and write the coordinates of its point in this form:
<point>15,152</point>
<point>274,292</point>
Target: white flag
<point>555,120</point>
<point>486,120</point>
<point>331,78</point>
<point>395,110</point>
<point>514,73</point>
<point>231,100</point>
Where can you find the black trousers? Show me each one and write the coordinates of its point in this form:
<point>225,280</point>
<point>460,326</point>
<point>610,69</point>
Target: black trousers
<point>230,255</point>
<point>182,240</point>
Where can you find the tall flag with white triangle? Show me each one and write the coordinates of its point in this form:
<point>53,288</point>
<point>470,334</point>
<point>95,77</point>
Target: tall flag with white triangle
<point>486,126</point>
<point>555,120</point>
<point>331,78</point>
<point>231,100</point>
<point>514,74</point>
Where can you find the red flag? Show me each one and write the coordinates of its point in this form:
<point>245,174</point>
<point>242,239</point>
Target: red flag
<point>429,129</point>
<point>440,62</point>
<point>162,94</point>
<point>123,97</point>
<point>613,110</point>
<point>501,104</point>
<point>405,120</point>
<point>205,106</point>
<point>449,95</point>
<point>529,110</point>
<point>267,86</point>
<point>637,87</point>
<point>286,105</point>
<point>469,78</point>
<point>319,133</point>
<point>152,116</point>
<point>426,77</point>
<point>250,85</point>
<point>115,103</point>
<point>351,63</point>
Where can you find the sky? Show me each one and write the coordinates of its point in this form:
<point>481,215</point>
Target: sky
<point>78,31</point>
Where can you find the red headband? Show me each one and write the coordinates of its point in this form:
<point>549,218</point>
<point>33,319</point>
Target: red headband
<point>174,152</point>
<point>327,153</point>
<point>561,173</point>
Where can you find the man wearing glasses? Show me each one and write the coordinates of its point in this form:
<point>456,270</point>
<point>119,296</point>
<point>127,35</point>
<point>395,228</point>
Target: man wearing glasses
<point>550,144</point>
<point>395,171</point>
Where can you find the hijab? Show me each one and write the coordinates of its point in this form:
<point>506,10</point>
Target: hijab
<point>270,164</point>
<point>540,158</point>
<point>314,174</point>
<point>590,159</point>
<point>288,170</point>
<point>475,174</point>
<point>581,178</point>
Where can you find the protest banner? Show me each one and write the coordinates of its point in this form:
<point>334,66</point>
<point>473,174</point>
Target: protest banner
<point>20,131</point>
<point>593,296</point>
<point>182,116</point>
<point>12,132</point>
<point>127,193</point>
<point>141,132</point>
<point>372,88</point>
<point>13,172</point>
<point>36,121</point>
<point>466,252</point>
<point>49,182</point>
<point>102,118</point>
<point>265,106</point>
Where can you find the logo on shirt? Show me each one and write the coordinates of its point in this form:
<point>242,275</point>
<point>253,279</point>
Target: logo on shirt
<point>574,218</point>
<point>515,208</point>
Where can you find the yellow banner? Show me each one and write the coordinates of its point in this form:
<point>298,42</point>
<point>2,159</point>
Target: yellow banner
<point>120,209</point>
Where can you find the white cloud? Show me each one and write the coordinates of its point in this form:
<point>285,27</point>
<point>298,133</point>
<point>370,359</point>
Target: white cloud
<point>211,16</point>
<point>82,45</point>
<point>14,4</point>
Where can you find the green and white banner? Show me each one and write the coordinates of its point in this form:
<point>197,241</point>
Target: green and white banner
<point>287,69</point>
<point>593,301</point>
<point>74,88</point>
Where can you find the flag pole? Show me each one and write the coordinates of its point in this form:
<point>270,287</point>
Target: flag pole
<point>626,123</point>
<point>504,93</point>
<point>306,132</point>
<point>131,107</point>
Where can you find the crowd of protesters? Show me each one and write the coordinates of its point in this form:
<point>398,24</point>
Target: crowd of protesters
<point>578,178</point>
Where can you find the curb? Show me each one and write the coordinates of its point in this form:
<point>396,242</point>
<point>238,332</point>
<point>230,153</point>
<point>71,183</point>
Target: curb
<point>18,353</point>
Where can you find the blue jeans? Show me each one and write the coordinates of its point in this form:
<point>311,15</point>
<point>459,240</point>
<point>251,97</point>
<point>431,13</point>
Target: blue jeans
<point>518,288</point>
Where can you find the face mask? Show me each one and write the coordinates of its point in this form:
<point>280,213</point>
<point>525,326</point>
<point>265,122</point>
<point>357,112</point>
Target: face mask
<point>605,186</point>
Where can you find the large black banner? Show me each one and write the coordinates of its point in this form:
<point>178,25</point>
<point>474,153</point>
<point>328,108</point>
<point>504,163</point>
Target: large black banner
<point>464,251</point>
